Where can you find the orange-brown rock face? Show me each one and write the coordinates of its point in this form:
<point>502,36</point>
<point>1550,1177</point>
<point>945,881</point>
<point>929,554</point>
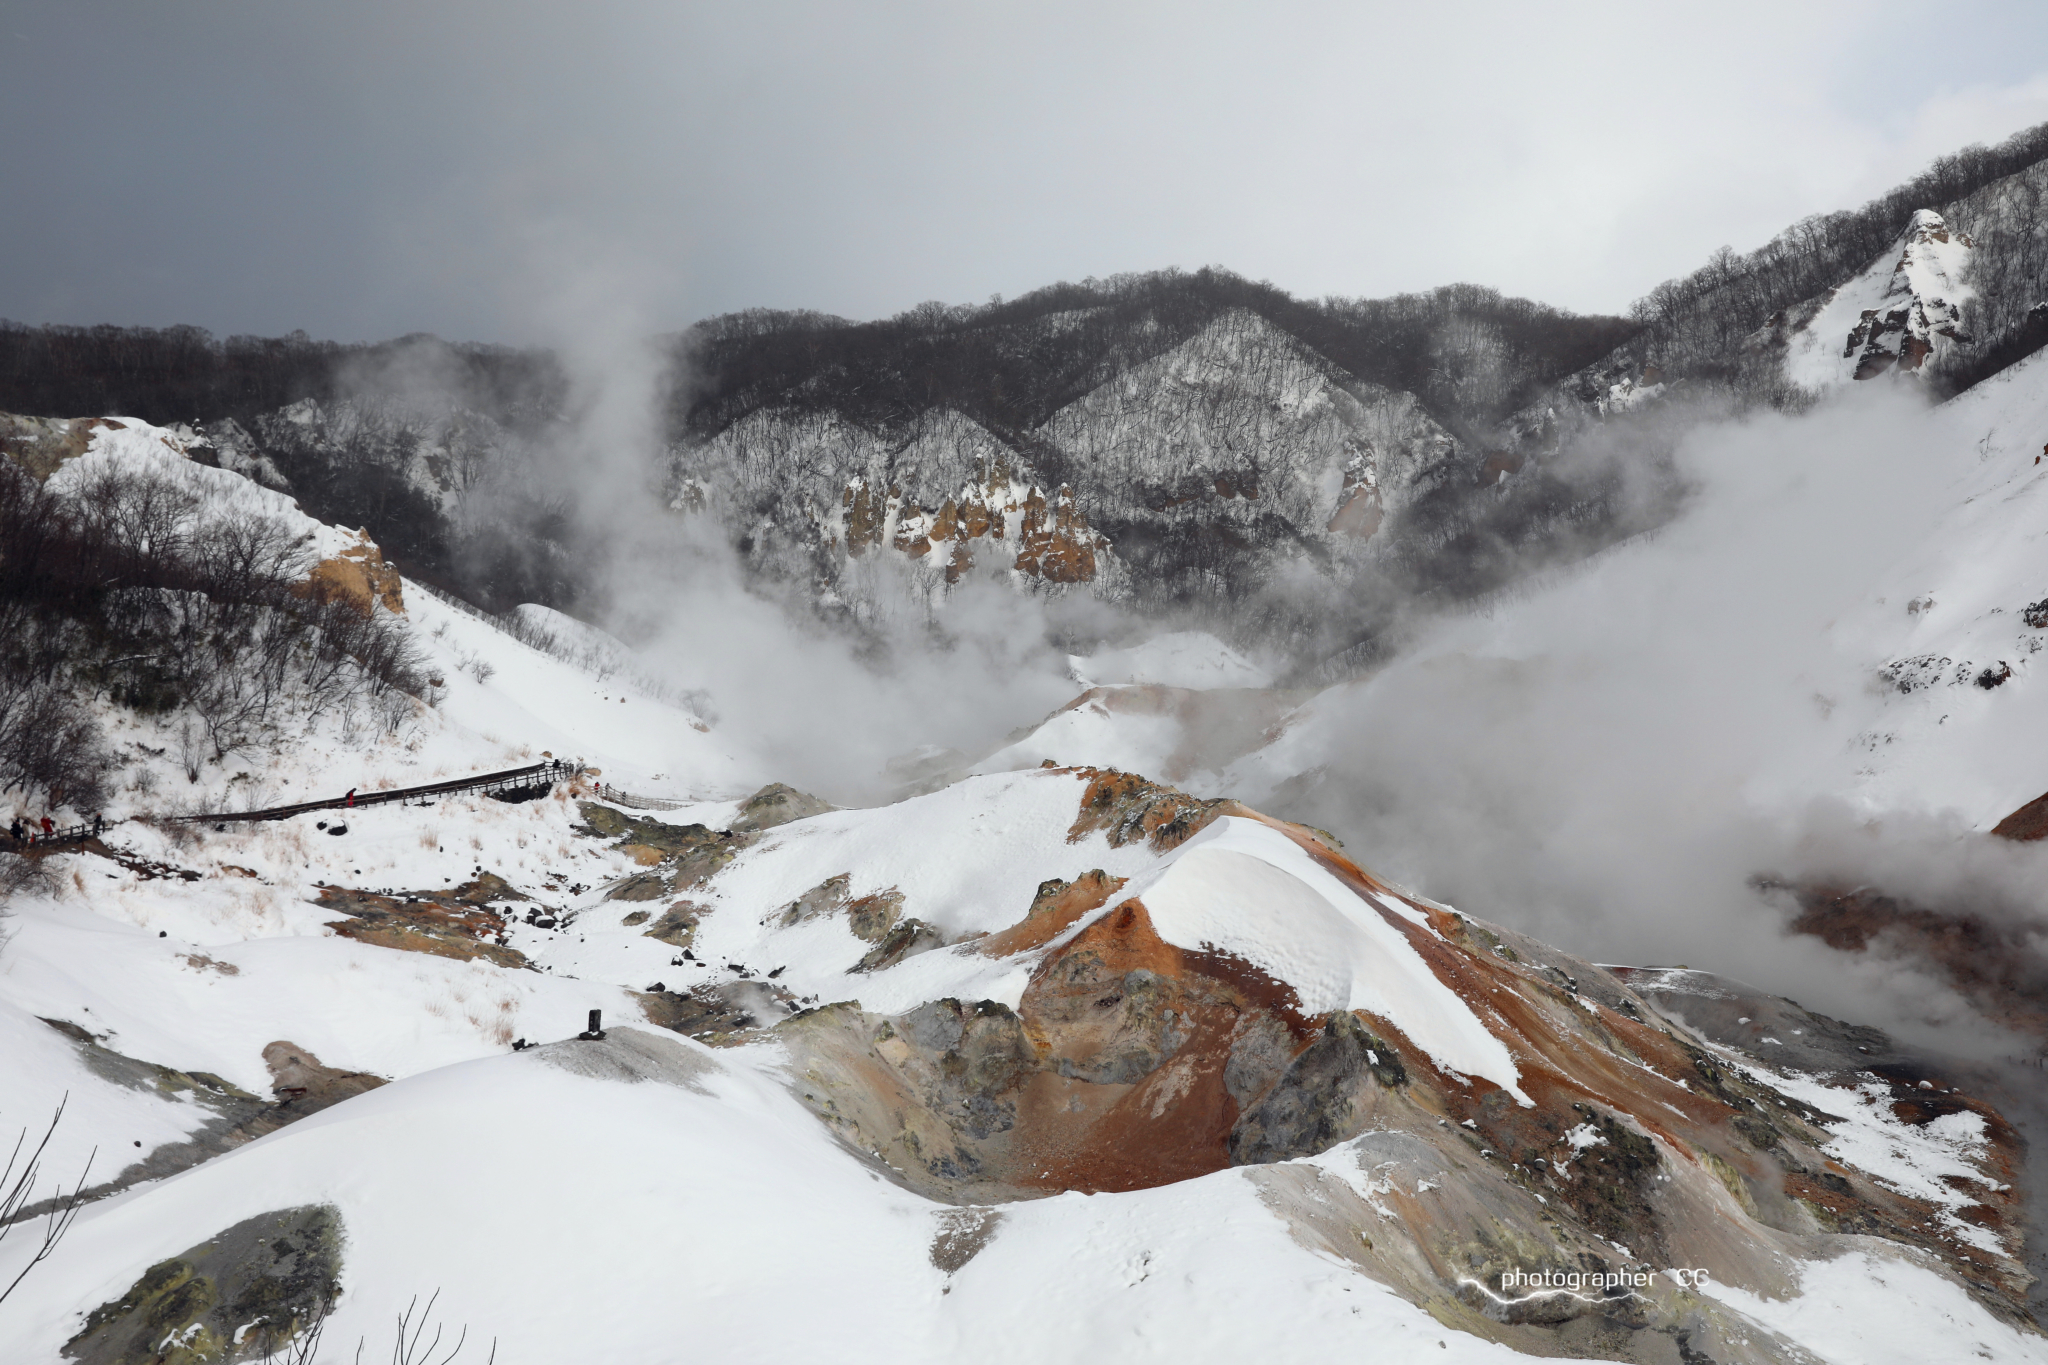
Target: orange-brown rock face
<point>2027,824</point>
<point>457,923</point>
<point>1130,1061</point>
<point>1053,539</point>
<point>1359,508</point>
<point>865,511</point>
<point>359,575</point>
<point>1987,959</point>
<point>1054,542</point>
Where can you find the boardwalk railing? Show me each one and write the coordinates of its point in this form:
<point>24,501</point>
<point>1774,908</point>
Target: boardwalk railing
<point>512,779</point>
<point>605,791</point>
<point>33,836</point>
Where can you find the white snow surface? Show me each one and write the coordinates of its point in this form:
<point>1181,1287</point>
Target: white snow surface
<point>1096,735</point>
<point>1920,274</point>
<point>1869,1308</point>
<point>698,1208</point>
<point>137,445</point>
<point>1242,887</point>
<point>966,859</point>
<point>1185,658</point>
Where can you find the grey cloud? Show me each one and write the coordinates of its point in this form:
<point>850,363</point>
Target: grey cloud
<point>370,169</point>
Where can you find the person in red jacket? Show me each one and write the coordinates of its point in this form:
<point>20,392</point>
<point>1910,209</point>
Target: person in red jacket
<point>48,828</point>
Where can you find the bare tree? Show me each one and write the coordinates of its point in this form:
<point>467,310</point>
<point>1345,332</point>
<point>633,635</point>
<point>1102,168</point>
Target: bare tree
<point>410,1346</point>
<point>17,1196</point>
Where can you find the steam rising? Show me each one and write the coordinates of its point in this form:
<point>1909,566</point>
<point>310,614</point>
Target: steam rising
<point>1608,761</point>
<point>822,708</point>
<point>1607,758</point>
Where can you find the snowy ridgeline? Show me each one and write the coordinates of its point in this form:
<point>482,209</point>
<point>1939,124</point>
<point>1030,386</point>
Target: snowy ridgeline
<point>1223,455</point>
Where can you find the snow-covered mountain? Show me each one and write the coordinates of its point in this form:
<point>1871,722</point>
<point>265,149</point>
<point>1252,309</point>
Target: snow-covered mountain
<point>1706,635</point>
<point>1938,281</point>
<point>1231,459</point>
<point>1051,1035</point>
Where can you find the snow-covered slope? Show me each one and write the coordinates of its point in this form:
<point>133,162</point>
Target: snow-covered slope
<point>1413,1063</point>
<point>1182,658</point>
<point>1270,1096</point>
<point>1214,463</point>
<point>1947,630</point>
<point>1895,315</point>
<point>1820,680</point>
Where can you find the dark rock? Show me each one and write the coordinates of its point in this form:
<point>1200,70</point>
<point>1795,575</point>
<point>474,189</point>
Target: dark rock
<point>962,1235</point>
<point>820,900</point>
<point>1315,1105</point>
<point>776,804</point>
<point>641,886</point>
<point>299,1079</point>
<point>264,1280</point>
<point>872,917</point>
<point>908,939</point>
<point>604,822</point>
<point>455,923</point>
<point>677,926</point>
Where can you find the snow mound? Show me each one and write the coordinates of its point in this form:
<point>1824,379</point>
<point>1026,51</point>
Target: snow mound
<point>1243,888</point>
<point>1185,658</point>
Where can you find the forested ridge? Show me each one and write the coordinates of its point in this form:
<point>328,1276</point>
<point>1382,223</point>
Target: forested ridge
<point>459,458</point>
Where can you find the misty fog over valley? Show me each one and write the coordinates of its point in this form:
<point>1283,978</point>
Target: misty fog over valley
<point>1157,814</point>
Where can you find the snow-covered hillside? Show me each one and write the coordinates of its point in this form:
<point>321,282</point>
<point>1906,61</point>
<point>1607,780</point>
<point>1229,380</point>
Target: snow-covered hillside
<point>1821,675</point>
<point>1097,973</point>
<point>1051,1030</point>
<point>1896,314</point>
<point>1214,462</point>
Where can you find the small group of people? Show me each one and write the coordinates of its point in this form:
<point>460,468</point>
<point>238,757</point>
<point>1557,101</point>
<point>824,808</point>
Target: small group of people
<point>22,831</point>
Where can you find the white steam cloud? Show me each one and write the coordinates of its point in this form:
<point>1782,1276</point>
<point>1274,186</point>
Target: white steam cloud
<point>1608,761</point>
<point>820,708</point>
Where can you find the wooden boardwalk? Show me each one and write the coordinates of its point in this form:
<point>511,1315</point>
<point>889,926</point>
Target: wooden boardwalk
<point>540,775</point>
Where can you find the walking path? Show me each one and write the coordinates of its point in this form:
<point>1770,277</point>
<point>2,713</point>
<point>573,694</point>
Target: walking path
<point>537,778</point>
<point>540,775</point>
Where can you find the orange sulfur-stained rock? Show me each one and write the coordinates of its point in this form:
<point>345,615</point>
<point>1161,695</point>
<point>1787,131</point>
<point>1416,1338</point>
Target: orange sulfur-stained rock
<point>1127,1061</point>
<point>1054,541</point>
<point>361,576</point>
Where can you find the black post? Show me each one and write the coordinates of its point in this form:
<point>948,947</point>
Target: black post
<point>596,1031</point>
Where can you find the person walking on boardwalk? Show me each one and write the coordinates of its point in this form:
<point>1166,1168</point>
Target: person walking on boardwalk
<point>14,830</point>
<point>49,827</point>
<point>350,799</point>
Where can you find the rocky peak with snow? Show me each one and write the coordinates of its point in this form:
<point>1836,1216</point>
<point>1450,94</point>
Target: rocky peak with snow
<point>1194,475</point>
<point>1892,317</point>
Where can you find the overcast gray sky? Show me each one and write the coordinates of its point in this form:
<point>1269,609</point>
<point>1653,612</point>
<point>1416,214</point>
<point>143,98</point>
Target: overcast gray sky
<point>503,170</point>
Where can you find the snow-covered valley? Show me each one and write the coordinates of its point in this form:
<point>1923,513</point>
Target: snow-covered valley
<point>1152,819</point>
<point>1044,1032</point>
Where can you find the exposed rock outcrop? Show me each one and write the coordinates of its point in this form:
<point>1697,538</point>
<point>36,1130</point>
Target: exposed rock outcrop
<point>775,804</point>
<point>360,576</point>
<point>457,922</point>
<point>243,1294</point>
<point>1130,1061</point>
